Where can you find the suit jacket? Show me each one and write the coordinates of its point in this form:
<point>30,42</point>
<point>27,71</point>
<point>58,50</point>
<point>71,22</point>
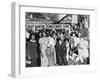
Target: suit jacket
<point>60,48</point>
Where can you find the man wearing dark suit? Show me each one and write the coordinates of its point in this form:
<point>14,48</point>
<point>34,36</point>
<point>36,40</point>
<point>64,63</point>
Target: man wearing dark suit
<point>60,52</point>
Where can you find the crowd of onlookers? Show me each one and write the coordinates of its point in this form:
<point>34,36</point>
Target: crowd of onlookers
<point>68,46</point>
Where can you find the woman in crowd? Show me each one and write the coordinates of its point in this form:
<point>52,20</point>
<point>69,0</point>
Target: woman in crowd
<point>31,52</point>
<point>75,38</point>
<point>43,46</point>
<point>73,51</point>
<point>83,49</point>
<point>64,48</point>
<point>50,51</point>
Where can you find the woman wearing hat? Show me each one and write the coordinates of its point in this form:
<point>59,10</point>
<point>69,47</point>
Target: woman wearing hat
<point>50,51</point>
<point>43,46</point>
<point>31,52</point>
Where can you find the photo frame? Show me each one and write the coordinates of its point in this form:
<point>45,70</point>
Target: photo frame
<point>20,15</point>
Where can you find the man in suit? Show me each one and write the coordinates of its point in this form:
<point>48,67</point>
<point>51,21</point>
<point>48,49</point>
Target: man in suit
<point>60,50</point>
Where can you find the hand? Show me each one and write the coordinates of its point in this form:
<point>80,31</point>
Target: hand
<point>28,62</point>
<point>29,57</point>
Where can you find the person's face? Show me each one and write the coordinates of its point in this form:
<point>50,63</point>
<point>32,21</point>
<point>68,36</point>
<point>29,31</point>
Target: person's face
<point>54,35</point>
<point>85,38</point>
<point>62,37</point>
<point>33,37</point>
<point>40,35</point>
<point>58,34</point>
<point>79,34</point>
<point>44,34</point>
<point>75,26</point>
<point>67,31</point>
<point>66,42</point>
<point>73,35</point>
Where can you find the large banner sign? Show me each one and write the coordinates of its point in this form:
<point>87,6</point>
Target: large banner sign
<point>48,26</point>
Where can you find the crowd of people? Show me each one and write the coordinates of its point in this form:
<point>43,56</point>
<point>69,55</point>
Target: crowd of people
<point>68,46</point>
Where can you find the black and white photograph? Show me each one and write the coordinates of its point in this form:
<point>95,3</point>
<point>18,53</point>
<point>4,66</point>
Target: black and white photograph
<point>56,39</point>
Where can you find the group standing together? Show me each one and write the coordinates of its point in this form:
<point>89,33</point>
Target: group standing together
<point>54,48</point>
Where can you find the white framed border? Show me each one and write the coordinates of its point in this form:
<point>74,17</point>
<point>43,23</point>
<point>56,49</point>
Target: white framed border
<point>18,68</point>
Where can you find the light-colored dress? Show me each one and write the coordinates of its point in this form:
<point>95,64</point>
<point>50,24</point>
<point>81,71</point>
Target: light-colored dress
<point>67,52</point>
<point>83,49</point>
<point>43,46</point>
<point>51,54</point>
